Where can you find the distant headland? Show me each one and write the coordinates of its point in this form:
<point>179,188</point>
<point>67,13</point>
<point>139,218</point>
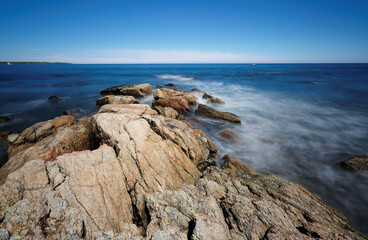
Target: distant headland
<point>34,63</point>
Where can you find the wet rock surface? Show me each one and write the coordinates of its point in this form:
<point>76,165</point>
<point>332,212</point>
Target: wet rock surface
<point>180,101</point>
<point>138,90</point>
<point>204,110</point>
<point>53,99</point>
<point>77,113</point>
<point>359,164</point>
<point>212,99</point>
<point>167,111</point>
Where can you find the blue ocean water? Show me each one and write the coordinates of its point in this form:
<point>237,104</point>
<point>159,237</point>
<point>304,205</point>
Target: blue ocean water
<point>298,120</point>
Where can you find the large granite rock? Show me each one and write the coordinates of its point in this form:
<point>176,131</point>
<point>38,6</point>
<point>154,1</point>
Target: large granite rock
<point>167,111</point>
<point>138,90</point>
<point>225,206</point>
<point>206,111</point>
<point>112,99</point>
<point>359,164</point>
<point>46,141</point>
<point>88,194</point>
<point>212,99</point>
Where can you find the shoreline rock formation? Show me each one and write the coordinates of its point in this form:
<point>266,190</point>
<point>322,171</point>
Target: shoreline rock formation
<point>129,173</point>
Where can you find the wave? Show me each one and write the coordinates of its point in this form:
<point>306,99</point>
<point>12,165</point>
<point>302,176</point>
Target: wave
<point>174,77</point>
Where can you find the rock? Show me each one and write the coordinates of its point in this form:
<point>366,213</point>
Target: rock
<point>176,103</point>
<point>204,110</point>
<point>165,93</point>
<point>167,111</point>
<point>53,99</point>
<point>101,193</point>
<point>235,167</point>
<point>359,163</point>
<point>46,141</point>
<point>4,136</point>
<point>138,90</point>
<point>77,113</point>
<point>212,99</point>
<point>4,119</point>
<point>197,121</point>
<point>170,86</point>
<point>196,90</point>
<point>222,205</point>
<point>230,136</point>
<point>157,94</point>
<point>112,99</point>
<point>137,109</point>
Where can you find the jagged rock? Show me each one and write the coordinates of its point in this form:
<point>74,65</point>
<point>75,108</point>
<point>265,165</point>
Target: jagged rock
<point>359,163</point>
<point>226,206</point>
<point>196,90</point>
<point>4,136</point>
<point>53,99</point>
<point>138,90</point>
<point>77,113</point>
<point>212,99</point>
<point>204,110</point>
<point>167,111</point>
<point>46,141</point>
<point>4,119</point>
<point>171,98</point>
<point>230,136</point>
<point>101,193</point>
<point>112,99</point>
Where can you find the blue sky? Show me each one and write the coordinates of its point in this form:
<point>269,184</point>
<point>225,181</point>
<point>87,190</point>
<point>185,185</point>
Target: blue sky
<point>156,31</point>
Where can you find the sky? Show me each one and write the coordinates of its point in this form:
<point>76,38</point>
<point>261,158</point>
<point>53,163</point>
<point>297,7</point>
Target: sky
<point>184,31</point>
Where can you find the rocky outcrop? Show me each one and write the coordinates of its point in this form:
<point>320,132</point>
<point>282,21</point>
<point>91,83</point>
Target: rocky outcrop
<point>77,113</point>
<point>169,86</point>
<point>101,193</point>
<point>170,98</point>
<point>359,163</point>
<point>206,111</point>
<point>167,111</point>
<point>46,141</point>
<point>138,90</point>
<point>112,99</point>
<point>235,167</point>
<point>212,99</point>
<point>225,206</point>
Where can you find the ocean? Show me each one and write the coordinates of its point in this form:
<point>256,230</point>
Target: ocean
<point>298,120</point>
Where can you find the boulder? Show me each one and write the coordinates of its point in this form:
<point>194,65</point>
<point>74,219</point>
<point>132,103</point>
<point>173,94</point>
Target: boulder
<point>164,93</point>
<point>212,99</point>
<point>176,103</point>
<point>112,99</point>
<point>138,90</point>
<point>137,109</point>
<point>222,205</point>
<point>4,119</point>
<point>206,111</point>
<point>46,141</point>
<point>170,86</point>
<point>53,99</point>
<point>167,111</point>
<point>359,163</point>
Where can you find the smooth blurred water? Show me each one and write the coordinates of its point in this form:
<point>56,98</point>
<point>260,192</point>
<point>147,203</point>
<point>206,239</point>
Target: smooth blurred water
<point>298,120</point>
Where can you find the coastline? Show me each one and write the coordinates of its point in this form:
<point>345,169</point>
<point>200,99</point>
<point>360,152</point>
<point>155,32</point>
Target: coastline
<point>171,184</point>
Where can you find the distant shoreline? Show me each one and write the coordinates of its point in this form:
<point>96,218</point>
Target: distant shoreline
<point>34,63</point>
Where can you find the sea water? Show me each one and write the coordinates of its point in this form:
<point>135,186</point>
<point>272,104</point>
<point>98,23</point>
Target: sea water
<point>298,120</point>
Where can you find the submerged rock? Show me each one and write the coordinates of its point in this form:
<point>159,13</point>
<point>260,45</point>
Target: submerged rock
<point>212,99</point>
<point>138,90</point>
<point>53,99</point>
<point>230,136</point>
<point>4,119</point>
<point>77,113</point>
<point>359,163</point>
<point>167,111</point>
<point>204,110</point>
<point>112,99</point>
